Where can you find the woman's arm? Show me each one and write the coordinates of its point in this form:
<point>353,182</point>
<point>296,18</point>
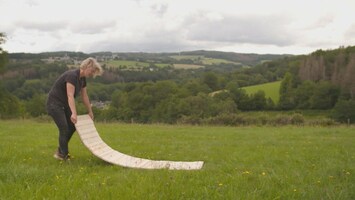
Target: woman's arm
<point>71,102</point>
<point>86,101</point>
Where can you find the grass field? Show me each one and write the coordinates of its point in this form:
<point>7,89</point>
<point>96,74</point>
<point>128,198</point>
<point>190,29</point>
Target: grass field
<point>287,162</point>
<point>204,60</point>
<point>138,65</point>
<point>187,66</point>
<point>271,90</point>
<point>130,64</point>
<point>127,63</point>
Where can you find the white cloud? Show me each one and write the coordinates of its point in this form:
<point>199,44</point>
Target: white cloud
<point>249,29</point>
<point>350,34</point>
<point>92,27</point>
<point>275,26</point>
<point>44,26</point>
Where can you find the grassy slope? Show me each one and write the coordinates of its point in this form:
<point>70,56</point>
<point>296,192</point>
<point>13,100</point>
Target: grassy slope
<point>203,60</point>
<point>240,163</point>
<point>271,90</point>
<point>127,63</point>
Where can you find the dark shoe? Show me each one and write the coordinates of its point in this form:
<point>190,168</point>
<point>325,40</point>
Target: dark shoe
<point>60,156</point>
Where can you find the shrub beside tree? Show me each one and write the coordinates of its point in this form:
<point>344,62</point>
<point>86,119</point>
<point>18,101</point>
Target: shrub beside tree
<point>344,111</point>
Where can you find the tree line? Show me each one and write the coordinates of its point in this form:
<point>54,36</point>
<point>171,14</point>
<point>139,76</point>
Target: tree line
<point>167,95</point>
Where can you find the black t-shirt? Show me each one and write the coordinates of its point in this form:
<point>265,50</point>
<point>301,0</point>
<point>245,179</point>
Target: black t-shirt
<point>58,93</point>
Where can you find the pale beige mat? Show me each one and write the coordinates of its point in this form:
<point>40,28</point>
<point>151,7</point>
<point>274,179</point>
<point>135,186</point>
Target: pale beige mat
<point>92,140</point>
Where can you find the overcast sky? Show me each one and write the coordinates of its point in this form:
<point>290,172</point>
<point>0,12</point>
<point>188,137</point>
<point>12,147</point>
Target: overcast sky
<point>243,26</point>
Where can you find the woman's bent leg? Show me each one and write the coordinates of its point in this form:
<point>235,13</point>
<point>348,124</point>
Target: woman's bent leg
<point>59,116</point>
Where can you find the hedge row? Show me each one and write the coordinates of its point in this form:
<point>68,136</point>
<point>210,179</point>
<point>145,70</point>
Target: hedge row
<point>246,120</point>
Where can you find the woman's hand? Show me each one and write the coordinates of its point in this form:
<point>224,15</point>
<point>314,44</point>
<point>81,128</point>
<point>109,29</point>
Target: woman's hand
<point>91,114</point>
<point>73,118</point>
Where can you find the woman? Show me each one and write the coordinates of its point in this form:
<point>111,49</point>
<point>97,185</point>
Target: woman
<point>61,103</point>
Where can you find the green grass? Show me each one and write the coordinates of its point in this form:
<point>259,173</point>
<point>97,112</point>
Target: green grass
<point>130,64</point>
<point>271,90</point>
<point>240,163</point>
<point>211,61</point>
<point>204,60</point>
<point>138,65</point>
<point>187,66</point>
<point>127,63</point>
<point>307,114</point>
<point>187,57</point>
<point>162,65</point>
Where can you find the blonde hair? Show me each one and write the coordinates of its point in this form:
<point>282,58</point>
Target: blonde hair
<point>92,63</point>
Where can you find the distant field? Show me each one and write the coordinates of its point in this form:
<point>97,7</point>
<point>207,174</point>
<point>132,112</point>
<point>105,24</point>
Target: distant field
<point>204,60</point>
<point>130,64</point>
<point>288,162</point>
<point>271,90</point>
<point>187,66</point>
<point>190,57</point>
<point>210,61</point>
<point>162,65</point>
<point>126,63</point>
<point>135,64</point>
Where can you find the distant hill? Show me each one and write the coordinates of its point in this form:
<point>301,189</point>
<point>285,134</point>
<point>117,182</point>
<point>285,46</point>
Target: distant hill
<point>242,58</point>
<point>218,59</point>
<point>250,59</point>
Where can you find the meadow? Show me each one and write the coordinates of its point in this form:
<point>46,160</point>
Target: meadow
<point>271,90</point>
<point>204,60</point>
<point>250,162</point>
<point>126,63</point>
<point>130,64</point>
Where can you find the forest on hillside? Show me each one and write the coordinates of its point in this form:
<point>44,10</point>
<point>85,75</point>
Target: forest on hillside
<point>323,80</point>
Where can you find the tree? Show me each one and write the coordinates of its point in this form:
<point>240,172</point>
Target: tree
<point>286,101</point>
<point>9,104</point>
<point>196,106</point>
<point>344,111</point>
<point>194,87</point>
<point>258,100</point>
<point>325,95</point>
<point>239,96</point>
<point>211,80</point>
<point>167,111</point>
<point>36,105</point>
<point>3,54</point>
<point>303,94</point>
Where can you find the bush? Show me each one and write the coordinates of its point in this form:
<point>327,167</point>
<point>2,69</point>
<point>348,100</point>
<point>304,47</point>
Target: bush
<point>194,120</point>
<point>222,119</point>
<point>263,119</point>
<point>297,119</point>
<point>323,122</point>
<point>344,111</point>
<point>282,120</point>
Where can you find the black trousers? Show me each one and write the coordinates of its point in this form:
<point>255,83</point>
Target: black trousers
<point>61,116</point>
